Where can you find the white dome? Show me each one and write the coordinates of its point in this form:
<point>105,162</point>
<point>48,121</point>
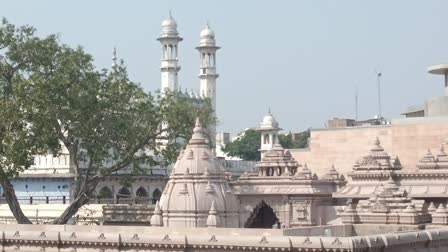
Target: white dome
<point>169,28</point>
<point>269,121</point>
<point>169,22</point>
<point>207,32</point>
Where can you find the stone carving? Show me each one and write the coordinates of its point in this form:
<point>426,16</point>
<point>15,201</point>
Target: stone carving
<point>390,205</point>
<point>336,241</point>
<point>213,239</point>
<point>431,162</point>
<point>440,216</point>
<point>264,240</point>
<point>73,236</point>
<point>166,238</point>
<point>307,241</point>
<point>377,160</point>
<point>198,180</point>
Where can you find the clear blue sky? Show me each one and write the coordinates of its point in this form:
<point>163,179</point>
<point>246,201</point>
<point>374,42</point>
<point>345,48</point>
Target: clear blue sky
<point>302,59</point>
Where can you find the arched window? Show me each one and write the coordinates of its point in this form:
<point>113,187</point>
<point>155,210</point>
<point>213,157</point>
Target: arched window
<point>141,192</point>
<point>105,195</point>
<point>124,193</point>
<point>156,195</point>
<point>142,196</point>
<point>266,139</point>
<point>171,53</point>
<point>165,51</point>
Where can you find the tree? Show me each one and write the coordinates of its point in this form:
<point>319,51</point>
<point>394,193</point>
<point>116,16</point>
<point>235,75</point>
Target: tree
<point>300,140</point>
<point>19,139</point>
<point>246,146</point>
<point>100,117</point>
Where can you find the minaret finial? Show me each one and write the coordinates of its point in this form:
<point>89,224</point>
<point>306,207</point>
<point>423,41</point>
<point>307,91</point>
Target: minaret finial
<point>269,110</point>
<point>170,14</point>
<point>207,24</point>
<point>114,57</point>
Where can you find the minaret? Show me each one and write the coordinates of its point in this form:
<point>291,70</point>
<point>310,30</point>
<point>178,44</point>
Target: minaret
<point>114,58</point>
<point>169,67</point>
<point>207,54</point>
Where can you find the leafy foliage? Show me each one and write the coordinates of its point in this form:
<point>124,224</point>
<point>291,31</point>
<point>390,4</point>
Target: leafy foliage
<point>55,99</point>
<point>296,141</point>
<point>246,146</point>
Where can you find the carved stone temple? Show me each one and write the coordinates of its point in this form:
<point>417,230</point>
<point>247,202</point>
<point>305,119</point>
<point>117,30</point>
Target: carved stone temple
<point>198,188</point>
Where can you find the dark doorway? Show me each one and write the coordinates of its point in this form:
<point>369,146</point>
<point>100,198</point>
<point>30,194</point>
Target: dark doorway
<point>124,196</point>
<point>156,195</point>
<point>142,196</point>
<point>105,196</point>
<point>262,216</point>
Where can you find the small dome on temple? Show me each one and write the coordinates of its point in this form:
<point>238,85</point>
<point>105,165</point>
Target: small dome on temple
<point>269,122</point>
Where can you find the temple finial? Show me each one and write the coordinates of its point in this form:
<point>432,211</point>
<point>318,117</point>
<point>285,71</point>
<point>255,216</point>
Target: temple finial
<point>198,123</point>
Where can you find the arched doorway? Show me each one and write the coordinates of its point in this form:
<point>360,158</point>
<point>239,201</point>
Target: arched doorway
<point>156,195</point>
<point>262,216</point>
<point>105,196</point>
<point>124,196</point>
<point>141,196</point>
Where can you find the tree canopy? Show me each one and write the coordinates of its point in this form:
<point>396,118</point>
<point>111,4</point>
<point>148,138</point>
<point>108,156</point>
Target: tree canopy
<point>248,144</point>
<point>56,99</point>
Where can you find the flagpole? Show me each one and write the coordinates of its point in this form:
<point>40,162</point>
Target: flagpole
<point>379,94</point>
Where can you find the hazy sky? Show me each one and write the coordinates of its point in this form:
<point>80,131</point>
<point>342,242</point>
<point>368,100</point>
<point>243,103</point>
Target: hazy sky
<point>303,59</point>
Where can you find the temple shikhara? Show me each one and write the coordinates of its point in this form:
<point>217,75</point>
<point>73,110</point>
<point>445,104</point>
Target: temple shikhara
<point>374,185</point>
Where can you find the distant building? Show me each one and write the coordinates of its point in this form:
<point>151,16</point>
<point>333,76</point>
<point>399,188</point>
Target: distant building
<point>435,106</point>
<point>344,123</point>
<point>409,138</point>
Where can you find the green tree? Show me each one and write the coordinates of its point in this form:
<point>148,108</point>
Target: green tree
<point>97,116</point>
<point>246,146</point>
<point>20,140</point>
<point>299,140</point>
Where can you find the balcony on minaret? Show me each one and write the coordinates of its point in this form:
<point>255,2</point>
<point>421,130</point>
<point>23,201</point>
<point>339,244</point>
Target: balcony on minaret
<point>169,64</point>
<point>208,71</point>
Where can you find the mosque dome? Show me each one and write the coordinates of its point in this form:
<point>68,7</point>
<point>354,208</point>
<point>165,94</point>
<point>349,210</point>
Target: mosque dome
<point>169,27</point>
<point>207,32</point>
<point>169,22</point>
<point>207,37</point>
<point>197,181</point>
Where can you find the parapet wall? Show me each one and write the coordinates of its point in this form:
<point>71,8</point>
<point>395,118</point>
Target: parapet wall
<point>409,139</point>
<point>77,238</point>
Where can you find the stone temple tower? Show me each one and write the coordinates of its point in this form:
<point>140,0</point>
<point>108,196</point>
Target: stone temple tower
<point>169,67</point>
<point>207,54</point>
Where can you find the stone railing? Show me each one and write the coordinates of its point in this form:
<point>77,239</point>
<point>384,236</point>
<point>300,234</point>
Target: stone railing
<point>72,238</point>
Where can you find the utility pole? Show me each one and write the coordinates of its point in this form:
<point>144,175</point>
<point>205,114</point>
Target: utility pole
<point>356,103</point>
<point>378,74</point>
